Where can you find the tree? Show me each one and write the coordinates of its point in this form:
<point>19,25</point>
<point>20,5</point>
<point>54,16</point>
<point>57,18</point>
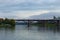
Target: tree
<point>6,21</point>
<point>12,22</point>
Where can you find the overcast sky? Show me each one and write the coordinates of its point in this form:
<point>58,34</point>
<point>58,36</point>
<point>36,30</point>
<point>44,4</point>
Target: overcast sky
<point>26,8</point>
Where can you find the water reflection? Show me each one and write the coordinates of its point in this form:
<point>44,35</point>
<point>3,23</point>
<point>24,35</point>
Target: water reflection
<point>12,28</point>
<point>47,28</point>
<point>31,27</point>
<point>22,32</point>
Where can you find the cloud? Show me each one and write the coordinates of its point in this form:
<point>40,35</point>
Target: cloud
<point>40,13</point>
<point>48,15</point>
<point>24,14</point>
<point>26,8</point>
<point>13,5</point>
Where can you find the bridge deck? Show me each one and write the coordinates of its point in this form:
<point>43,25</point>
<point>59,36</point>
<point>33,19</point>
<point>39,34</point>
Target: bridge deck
<point>35,20</point>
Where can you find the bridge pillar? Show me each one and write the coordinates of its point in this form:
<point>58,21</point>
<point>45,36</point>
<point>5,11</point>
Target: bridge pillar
<point>58,25</point>
<point>28,23</point>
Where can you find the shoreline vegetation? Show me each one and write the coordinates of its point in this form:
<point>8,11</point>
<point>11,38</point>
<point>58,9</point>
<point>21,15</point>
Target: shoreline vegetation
<point>7,22</point>
<point>47,26</point>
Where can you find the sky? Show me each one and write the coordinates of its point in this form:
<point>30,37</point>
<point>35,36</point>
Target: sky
<point>26,8</point>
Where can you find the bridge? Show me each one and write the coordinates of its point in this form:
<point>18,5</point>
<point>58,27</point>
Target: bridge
<point>37,20</point>
<point>53,21</point>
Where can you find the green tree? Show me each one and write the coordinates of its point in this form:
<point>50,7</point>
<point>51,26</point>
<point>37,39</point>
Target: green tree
<point>12,22</point>
<point>6,21</point>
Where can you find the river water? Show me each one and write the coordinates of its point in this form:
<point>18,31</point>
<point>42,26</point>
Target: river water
<point>22,32</point>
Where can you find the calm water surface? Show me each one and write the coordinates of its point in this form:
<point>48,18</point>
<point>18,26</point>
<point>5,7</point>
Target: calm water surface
<point>22,32</point>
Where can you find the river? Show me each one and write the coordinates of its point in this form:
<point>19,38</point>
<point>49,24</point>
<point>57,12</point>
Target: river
<point>22,32</point>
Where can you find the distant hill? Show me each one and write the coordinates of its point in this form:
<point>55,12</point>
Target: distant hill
<point>45,16</point>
